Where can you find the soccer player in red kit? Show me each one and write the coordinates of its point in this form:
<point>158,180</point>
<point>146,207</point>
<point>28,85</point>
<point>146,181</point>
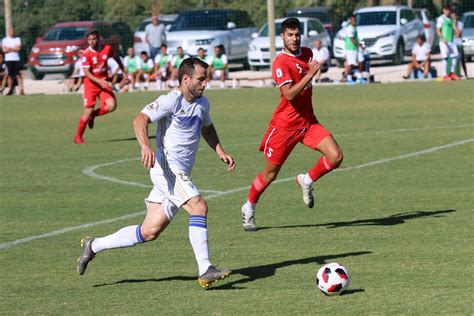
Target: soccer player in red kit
<point>96,83</point>
<point>293,122</point>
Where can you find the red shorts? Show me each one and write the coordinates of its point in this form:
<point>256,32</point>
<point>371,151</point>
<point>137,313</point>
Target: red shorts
<point>93,91</point>
<point>277,144</point>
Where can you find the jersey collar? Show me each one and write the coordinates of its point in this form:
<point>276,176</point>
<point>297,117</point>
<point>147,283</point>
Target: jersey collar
<point>290,54</point>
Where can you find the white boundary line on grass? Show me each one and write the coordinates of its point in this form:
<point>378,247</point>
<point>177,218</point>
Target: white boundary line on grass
<point>90,171</point>
<point>222,193</point>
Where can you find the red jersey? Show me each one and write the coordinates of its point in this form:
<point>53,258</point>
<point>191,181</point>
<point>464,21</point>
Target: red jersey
<point>96,61</point>
<point>296,114</point>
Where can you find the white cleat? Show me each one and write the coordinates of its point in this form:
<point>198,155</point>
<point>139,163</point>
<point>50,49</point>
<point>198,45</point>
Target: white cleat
<point>307,191</point>
<point>248,219</point>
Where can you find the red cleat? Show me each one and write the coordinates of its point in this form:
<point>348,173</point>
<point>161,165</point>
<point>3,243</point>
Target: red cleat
<point>446,78</point>
<point>454,77</point>
<point>79,141</point>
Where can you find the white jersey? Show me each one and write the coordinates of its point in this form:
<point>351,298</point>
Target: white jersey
<point>11,42</point>
<point>422,51</point>
<point>321,55</point>
<point>179,129</point>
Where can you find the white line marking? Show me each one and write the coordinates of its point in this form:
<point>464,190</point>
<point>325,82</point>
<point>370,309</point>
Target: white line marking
<point>216,195</point>
<point>90,171</point>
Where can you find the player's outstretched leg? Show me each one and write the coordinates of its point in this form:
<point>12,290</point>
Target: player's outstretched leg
<point>306,189</point>
<point>86,256</point>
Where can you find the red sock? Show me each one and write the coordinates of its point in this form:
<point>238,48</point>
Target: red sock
<point>258,186</point>
<point>322,167</point>
<point>81,127</point>
<point>101,111</point>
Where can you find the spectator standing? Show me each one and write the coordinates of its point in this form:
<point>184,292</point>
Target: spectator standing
<point>155,36</point>
<point>446,27</point>
<point>354,56</point>
<point>321,55</point>
<point>218,65</point>
<point>420,58</point>
<point>11,46</point>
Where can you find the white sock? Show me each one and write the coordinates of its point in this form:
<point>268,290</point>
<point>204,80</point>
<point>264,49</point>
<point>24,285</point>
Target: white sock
<point>250,206</point>
<point>349,77</point>
<point>307,179</point>
<point>198,239</point>
<point>222,85</point>
<point>158,84</point>
<point>358,74</point>
<point>146,85</point>
<point>125,237</point>
<point>454,61</point>
<point>444,65</point>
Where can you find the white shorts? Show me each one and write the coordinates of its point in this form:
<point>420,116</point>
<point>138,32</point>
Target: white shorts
<point>217,74</point>
<point>354,57</point>
<point>169,189</point>
<point>448,50</point>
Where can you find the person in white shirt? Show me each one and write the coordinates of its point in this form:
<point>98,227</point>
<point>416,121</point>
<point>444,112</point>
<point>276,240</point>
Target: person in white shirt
<point>182,116</point>
<point>116,75</point>
<point>321,55</point>
<point>155,36</point>
<point>77,78</point>
<point>11,46</point>
<point>421,58</point>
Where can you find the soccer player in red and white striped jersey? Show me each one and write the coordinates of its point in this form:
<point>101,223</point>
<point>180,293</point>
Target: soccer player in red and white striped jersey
<point>293,122</point>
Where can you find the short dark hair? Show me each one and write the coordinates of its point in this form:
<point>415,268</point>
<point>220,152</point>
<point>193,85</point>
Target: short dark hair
<point>290,23</point>
<point>201,49</point>
<point>188,66</point>
<point>93,32</point>
<point>352,16</point>
<point>447,7</point>
<point>143,53</point>
<point>421,36</point>
<point>164,45</point>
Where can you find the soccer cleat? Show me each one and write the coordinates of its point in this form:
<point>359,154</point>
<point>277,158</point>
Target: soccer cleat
<point>454,77</point>
<point>212,275</point>
<point>446,78</point>
<point>87,255</point>
<point>79,141</point>
<point>248,219</point>
<point>351,82</point>
<point>307,191</point>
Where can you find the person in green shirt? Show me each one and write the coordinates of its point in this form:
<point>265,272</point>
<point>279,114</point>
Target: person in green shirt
<point>175,63</point>
<point>353,51</point>
<point>218,65</point>
<point>146,69</point>
<point>446,27</point>
<point>202,54</point>
<point>131,65</point>
<point>162,66</point>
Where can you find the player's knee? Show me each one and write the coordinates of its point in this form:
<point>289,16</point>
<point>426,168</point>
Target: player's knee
<point>150,233</point>
<point>200,208</point>
<point>336,157</point>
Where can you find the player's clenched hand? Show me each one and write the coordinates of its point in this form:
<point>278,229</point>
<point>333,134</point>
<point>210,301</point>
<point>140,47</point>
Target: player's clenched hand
<point>104,83</point>
<point>148,157</point>
<point>228,160</point>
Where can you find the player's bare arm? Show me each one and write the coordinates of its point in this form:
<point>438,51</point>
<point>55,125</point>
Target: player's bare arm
<point>291,92</point>
<point>100,81</point>
<point>140,126</point>
<point>209,133</point>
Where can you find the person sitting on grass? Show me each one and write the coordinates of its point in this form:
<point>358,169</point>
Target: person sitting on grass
<point>421,58</point>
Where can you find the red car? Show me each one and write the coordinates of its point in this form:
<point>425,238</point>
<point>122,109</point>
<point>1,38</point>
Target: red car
<point>56,51</point>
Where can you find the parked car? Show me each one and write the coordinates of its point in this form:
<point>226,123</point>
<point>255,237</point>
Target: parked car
<point>326,15</point>
<point>259,49</point>
<point>139,44</point>
<point>388,32</point>
<point>468,34</point>
<point>56,51</point>
<point>429,25</point>
<point>208,28</point>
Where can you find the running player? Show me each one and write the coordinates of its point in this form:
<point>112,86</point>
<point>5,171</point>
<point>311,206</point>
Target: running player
<point>182,116</point>
<point>96,83</point>
<point>293,122</point>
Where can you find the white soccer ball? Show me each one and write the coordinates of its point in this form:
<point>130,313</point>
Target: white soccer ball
<point>332,279</point>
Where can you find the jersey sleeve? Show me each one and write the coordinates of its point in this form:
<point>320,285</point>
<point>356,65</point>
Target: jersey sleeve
<point>439,22</point>
<point>161,107</point>
<point>350,31</point>
<point>86,60</point>
<point>281,73</point>
<point>225,61</point>
<point>173,61</point>
<point>206,119</point>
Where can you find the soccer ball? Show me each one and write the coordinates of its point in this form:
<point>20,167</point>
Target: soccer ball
<point>332,279</point>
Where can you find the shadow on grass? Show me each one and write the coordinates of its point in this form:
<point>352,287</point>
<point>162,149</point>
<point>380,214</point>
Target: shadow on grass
<point>352,291</point>
<point>391,220</point>
<point>249,274</point>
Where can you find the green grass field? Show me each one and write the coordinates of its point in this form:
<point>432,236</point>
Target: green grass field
<point>398,214</point>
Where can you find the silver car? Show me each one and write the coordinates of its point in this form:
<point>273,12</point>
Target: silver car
<point>468,34</point>
<point>429,26</point>
<point>259,49</point>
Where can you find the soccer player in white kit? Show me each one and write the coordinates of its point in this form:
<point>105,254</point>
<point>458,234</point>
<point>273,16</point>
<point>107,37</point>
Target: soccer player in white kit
<point>182,116</point>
